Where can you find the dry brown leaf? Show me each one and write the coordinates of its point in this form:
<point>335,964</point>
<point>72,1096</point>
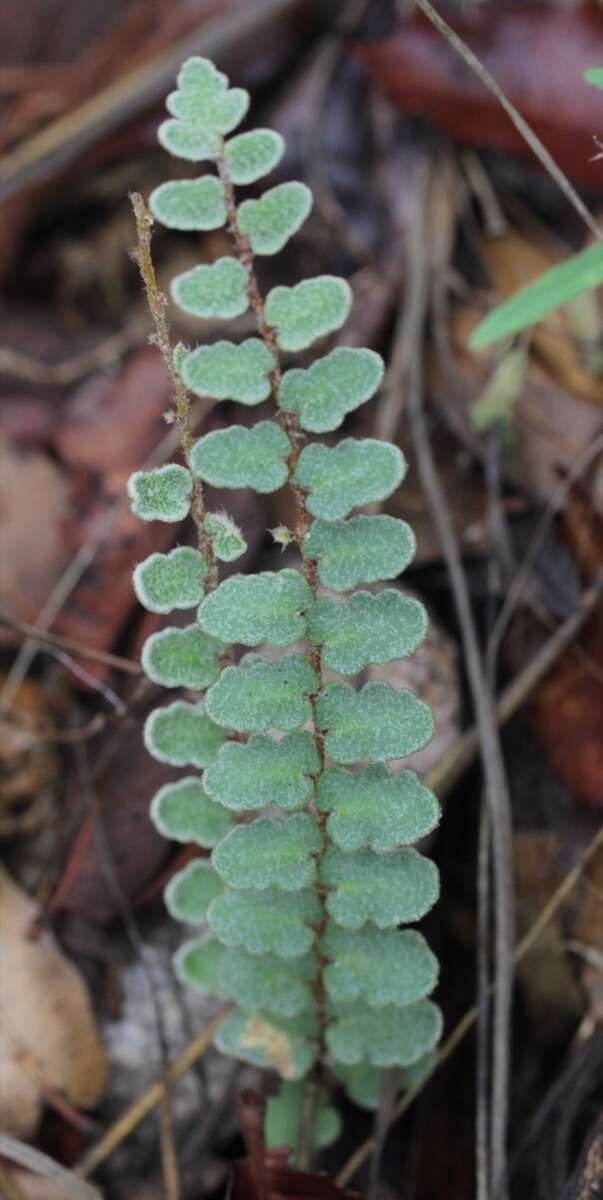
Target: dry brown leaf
<point>48,1036</point>
<point>33,502</point>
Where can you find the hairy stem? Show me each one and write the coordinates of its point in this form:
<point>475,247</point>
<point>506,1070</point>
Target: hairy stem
<point>157,307</point>
<point>290,422</point>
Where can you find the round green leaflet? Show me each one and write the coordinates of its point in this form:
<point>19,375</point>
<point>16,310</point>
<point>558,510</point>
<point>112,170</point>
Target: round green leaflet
<point>251,609</point>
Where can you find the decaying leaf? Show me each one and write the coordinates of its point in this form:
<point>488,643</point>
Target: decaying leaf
<point>48,1037</point>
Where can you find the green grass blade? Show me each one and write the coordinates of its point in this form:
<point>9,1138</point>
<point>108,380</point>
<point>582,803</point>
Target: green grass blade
<point>556,287</point>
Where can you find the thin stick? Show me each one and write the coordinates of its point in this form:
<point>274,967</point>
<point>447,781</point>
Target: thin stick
<point>104,354</point>
<point>158,308</point>
<point>55,639</point>
<point>490,752</point>
<point>468,1020</point>
<point>542,154</point>
<point>450,768</point>
<point>131,1118</point>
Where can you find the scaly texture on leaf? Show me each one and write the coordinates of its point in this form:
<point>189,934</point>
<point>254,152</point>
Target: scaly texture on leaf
<point>197,963</point>
<point>226,371</point>
<point>361,550</point>
<point>204,97</point>
<point>182,658</point>
<point>161,495</point>
<point>365,629</point>
<point>182,735</point>
<point>274,985</point>
<point>280,1043</point>
<point>264,772</point>
<point>269,222</point>
<point>389,889</point>
<point>184,812</point>
<point>324,393</point>
<point>376,722</point>
<point>251,609</point>
<point>375,809</point>
<point>346,476</point>
<point>164,582</point>
<point>190,892</point>
<point>251,155</point>
<point>397,1037</point>
<point>268,922</point>
<point>309,311</point>
<point>227,541</point>
<point>189,204</point>
<point>361,1082</point>
<point>217,289</point>
<point>253,697</point>
<point>379,966</point>
<point>186,140</point>
<point>285,1113</point>
<point>238,457</point>
<point>270,853</point>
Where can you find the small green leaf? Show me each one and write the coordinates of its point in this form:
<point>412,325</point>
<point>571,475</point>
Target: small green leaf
<point>272,852</point>
<point>189,204</point>
<point>185,140</point>
<point>184,812</point>
<point>197,963</point>
<point>341,478</point>
<point>376,722</point>
<point>497,400</point>
<point>268,922</point>
<point>264,772</point>
<point>164,582</point>
<point>238,457</point>
<point>365,629</point>
<point>250,609</point>
<point>226,371</point>
<point>374,808</point>
<point>253,697</point>
<point>399,1036</point>
<point>281,1043</point>
<point>227,541</point>
<point>362,1083</point>
<point>275,985</point>
<point>251,155</point>
<point>361,550</point>
<point>551,290</point>
<point>389,889</point>
<point>324,393</point>
<point>182,735</point>
<point>285,1113</point>
<point>217,289</point>
<point>161,495</point>
<point>594,75</point>
<point>203,96</point>
<point>379,966</point>
<point>190,892</point>
<point>182,658</point>
<point>309,311</point>
<point>269,222</point>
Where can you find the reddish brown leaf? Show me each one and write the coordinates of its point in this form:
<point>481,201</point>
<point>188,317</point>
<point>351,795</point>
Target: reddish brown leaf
<point>517,43</point>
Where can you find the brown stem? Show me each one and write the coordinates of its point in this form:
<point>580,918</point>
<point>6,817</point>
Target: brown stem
<point>290,423</point>
<point>158,307</point>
